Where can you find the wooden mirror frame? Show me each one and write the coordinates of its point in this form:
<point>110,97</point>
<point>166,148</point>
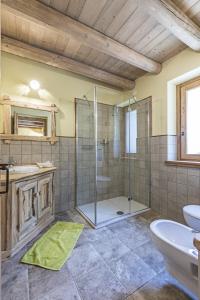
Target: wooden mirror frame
<point>7,135</point>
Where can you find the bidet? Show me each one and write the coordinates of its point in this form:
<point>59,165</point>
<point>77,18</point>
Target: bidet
<point>175,242</point>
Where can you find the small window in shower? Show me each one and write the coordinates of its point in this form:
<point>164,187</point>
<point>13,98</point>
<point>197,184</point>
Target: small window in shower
<point>131,131</point>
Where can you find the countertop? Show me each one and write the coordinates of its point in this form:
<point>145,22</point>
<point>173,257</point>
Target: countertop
<point>18,176</point>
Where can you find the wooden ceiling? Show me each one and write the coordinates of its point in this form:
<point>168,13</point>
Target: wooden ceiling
<point>125,21</point>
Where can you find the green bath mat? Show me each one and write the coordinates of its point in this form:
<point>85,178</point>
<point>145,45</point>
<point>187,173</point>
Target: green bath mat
<point>55,246</point>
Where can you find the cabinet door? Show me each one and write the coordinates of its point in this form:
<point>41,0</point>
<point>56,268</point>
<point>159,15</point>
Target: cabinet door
<point>45,188</point>
<point>27,207</point>
<point>4,222</point>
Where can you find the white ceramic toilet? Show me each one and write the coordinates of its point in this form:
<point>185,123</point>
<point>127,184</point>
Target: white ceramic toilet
<point>192,216</point>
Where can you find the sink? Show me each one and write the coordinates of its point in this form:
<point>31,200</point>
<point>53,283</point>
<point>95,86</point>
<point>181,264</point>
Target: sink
<point>24,169</point>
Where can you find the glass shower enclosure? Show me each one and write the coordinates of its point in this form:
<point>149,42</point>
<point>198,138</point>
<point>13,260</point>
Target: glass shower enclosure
<point>112,158</point>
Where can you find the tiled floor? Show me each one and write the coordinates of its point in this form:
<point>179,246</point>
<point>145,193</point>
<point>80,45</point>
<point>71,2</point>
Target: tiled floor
<point>112,263</point>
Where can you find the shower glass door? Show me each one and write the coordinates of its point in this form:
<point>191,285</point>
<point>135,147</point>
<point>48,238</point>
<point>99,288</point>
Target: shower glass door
<point>137,169</point>
<point>85,159</point>
<point>111,200</point>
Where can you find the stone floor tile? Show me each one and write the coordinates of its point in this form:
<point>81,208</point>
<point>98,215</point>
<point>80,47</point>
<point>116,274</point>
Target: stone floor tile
<point>65,292</point>
<point>76,217</point>
<point>151,256</point>
<point>51,285</point>
<point>14,281</point>
<point>98,234</point>
<point>162,287</point>
<point>139,222</point>
<point>110,248</point>
<point>131,235</point>
<point>100,284</point>
<point>63,217</point>
<point>82,240</point>
<point>140,225</point>
<point>150,216</point>
<point>119,226</point>
<point>131,271</point>
<point>83,260</point>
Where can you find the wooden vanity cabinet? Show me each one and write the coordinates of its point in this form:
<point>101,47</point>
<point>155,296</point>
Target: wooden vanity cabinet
<point>28,209</point>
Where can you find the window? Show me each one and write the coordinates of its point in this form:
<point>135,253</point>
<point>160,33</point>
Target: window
<point>131,131</point>
<point>188,120</point>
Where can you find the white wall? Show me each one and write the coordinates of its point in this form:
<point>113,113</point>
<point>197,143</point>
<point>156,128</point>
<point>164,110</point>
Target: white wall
<point>181,67</point>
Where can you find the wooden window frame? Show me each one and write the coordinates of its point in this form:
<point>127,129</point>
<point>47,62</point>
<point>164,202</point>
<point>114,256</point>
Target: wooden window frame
<point>181,120</point>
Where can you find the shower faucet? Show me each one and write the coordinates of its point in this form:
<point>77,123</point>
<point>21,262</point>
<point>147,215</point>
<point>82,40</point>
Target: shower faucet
<point>104,141</point>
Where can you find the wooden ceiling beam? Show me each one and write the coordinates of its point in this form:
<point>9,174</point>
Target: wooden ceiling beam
<point>39,13</point>
<point>28,51</point>
<point>175,20</point>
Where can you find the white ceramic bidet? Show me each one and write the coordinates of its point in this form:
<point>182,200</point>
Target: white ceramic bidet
<point>175,242</point>
<point>192,216</point>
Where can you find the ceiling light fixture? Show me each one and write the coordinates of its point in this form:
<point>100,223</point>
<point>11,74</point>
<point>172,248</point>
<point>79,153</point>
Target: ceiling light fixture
<point>34,84</point>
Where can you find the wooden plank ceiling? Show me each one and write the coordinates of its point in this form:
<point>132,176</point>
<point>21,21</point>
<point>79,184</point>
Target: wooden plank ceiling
<point>122,20</point>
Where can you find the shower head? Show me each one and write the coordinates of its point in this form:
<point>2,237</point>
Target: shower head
<point>115,110</point>
<point>86,99</point>
<point>134,99</point>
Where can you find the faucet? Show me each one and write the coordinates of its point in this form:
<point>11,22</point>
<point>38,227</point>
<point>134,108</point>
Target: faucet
<point>195,231</point>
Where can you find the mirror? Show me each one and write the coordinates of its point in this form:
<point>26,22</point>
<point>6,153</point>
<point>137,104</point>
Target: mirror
<point>29,125</point>
<point>23,121</point>
<point>30,122</point>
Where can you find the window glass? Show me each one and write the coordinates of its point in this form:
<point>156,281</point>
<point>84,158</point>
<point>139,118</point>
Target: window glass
<point>131,131</point>
<point>193,121</point>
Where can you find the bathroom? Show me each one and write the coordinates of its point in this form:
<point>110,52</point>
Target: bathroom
<point>112,155</point>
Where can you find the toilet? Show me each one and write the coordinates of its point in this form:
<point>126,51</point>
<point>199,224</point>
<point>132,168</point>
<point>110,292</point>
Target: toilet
<point>192,216</point>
